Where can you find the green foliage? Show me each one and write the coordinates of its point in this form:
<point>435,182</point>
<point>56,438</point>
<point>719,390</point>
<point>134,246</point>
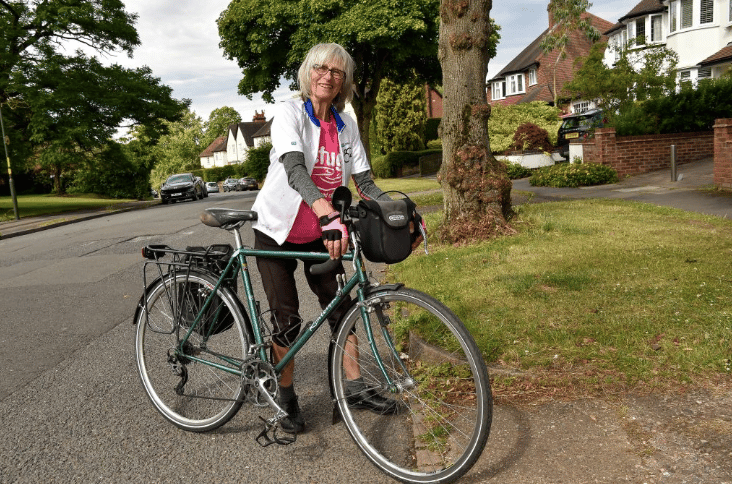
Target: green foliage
<point>177,151</point>
<point>431,127</point>
<point>257,162</point>
<point>573,175</point>
<point>112,174</point>
<point>505,120</point>
<point>435,144</point>
<point>217,124</point>
<point>400,116</point>
<point>516,170</point>
<point>529,136</point>
<point>393,163</point>
<point>639,75</point>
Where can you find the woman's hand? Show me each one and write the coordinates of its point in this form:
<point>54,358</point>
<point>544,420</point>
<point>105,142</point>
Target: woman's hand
<point>335,234</point>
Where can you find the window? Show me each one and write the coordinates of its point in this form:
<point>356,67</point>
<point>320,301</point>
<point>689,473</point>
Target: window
<point>706,13</point>
<point>581,107</point>
<point>672,15</point>
<point>532,77</point>
<point>515,84</point>
<point>684,76</point>
<point>687,12</point>
<point>499,90</point>
<point>704,73</point>
<point>640,31</point>
<point>730,11</point>
<point>656,33</point>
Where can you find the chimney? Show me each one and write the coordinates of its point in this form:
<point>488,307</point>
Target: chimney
<point>259,117</point>
<point>551,17</point>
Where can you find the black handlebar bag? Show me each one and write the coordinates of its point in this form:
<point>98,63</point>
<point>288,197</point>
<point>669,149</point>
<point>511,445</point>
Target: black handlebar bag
<point>383,228</point>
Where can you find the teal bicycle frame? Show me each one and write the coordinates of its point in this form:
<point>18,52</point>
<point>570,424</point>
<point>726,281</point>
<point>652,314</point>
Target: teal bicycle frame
<point>238,263</point>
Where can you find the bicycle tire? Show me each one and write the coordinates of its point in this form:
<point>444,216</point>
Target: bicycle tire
<point>209,397</point>
<point>441,419</point>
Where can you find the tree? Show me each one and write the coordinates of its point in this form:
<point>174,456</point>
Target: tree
<point>638,75</point>
<point>401,115</point>
<point>569,17</point>
<point>178,150</point>
<point>218,122</point>
<point>477,190</point>
<point>63,106</point>
<point>386,38</point>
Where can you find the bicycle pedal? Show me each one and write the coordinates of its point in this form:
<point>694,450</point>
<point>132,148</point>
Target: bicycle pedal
<point>264,439</point>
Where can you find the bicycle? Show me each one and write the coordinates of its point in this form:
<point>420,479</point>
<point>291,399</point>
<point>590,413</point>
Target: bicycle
<point>200,355</point>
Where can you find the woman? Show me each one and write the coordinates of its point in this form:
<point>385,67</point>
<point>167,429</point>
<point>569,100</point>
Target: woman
<point>315,149</point>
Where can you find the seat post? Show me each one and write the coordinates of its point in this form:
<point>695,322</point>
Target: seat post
<point>237,238</point>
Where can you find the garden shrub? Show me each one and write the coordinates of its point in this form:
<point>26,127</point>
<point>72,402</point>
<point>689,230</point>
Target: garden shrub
<point>516,170</point>
<point>391,165</point>
<point>434,144</point>
<point>529,136</point>
<point>430,129</point>
<point>505,120</point>
<point>573,175</point>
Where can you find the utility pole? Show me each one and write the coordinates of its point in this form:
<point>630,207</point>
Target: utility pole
<point>10,171</point>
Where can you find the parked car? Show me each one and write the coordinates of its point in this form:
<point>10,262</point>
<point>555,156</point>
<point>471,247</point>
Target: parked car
<point>578,126</point>
<point>204,188</point>
<point>182,186</point>
<point>231,184</point>
<point>212,187</point>
<point>247,183</point>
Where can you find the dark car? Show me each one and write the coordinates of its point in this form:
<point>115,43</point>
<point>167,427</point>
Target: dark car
<point>247,183</point>
<point>182,186</point>
<point>578,126</point>
<point>231,184</point>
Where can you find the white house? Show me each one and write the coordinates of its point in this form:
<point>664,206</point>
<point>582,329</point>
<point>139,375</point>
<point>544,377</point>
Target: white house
<point>233,147</point>
<point>215,154</point>
<point>699,31</point>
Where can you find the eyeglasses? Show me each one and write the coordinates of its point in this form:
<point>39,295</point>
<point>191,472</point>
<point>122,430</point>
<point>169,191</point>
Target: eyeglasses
<point>336,74</point>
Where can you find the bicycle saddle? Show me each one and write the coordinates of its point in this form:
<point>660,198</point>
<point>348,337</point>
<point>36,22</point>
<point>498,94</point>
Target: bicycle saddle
<point>226,218</point>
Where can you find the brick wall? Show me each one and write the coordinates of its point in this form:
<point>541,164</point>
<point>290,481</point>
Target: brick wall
<point>723,153</point>
<point>633,155</point>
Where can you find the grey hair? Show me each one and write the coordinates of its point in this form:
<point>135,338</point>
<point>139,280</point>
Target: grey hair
<point>327,54</point>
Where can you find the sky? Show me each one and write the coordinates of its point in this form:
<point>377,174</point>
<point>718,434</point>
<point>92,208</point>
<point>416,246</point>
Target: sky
<point>180,43</point>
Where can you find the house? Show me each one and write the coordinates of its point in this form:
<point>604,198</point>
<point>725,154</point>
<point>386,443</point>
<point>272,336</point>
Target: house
<point>530,76</point>
<point>233,147</point>
<point>240,138</point>
<point>215,154</point>
<point>699,31</point>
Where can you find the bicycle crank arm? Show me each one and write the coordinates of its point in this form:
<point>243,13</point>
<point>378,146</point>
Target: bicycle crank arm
<point>272,424</point>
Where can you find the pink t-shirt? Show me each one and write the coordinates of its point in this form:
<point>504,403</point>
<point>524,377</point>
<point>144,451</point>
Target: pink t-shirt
<point>327,175</point>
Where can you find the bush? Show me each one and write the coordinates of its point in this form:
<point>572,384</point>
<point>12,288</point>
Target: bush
<point>431,127</point>
<point>529,136</point>
<point>257,162</point>
<point>112,174</point>
<point>391,165</point>
<point>573,175</point>
<point>434,144</point>
<point>505,120</point>
<point>516,170</point>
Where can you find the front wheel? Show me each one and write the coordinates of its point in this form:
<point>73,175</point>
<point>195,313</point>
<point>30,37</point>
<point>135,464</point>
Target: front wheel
<point>180,378</point>
<point>429,421</point>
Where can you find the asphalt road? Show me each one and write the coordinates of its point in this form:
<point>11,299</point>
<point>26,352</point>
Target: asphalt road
<point>72,408</point>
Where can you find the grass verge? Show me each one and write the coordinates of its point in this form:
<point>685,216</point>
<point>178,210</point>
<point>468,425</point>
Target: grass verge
<point>35,205</point>
<point>591,297</point>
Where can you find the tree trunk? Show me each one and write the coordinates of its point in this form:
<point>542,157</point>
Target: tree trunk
<point>363,105</point>
<point>477,190</point>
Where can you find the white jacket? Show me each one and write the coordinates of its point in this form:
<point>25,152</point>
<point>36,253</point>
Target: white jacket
<point>295,128</point>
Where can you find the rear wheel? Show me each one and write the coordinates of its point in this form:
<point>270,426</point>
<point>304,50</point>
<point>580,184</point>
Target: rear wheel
<point>436,422</point>
<point>179,378</point>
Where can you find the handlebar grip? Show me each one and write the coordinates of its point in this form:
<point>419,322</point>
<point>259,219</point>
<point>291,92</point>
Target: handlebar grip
<point>324,267</point>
